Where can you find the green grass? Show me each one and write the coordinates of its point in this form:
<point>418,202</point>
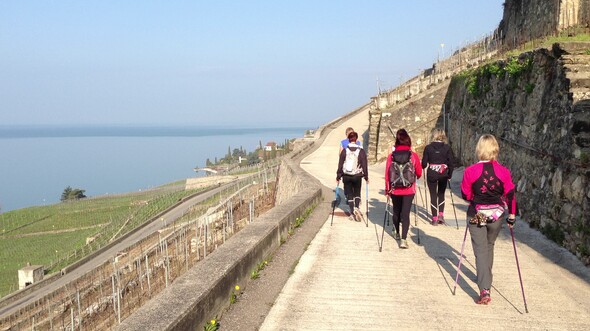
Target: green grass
<point>42,249</point>
<point>546,43</point>
<point>47,234</point>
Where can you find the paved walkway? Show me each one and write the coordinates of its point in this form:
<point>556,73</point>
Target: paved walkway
<point>343,282</point>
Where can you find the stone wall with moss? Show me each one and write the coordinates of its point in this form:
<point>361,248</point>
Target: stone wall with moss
<point>544,139</point>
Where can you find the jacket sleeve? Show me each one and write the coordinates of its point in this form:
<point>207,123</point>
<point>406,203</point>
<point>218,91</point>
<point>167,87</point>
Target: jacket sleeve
<point>387,165</point>
<point>466,184</point>
<point>511,202</point>
<point>425,157</point>
<point>509,189</point>
<point>364,164</point>
<point>417,166</point>
<point>340,172</point>
<point>450,161</point>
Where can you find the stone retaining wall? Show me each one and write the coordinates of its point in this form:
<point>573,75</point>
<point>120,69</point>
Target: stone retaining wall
<point>199,295</point>
<point>543,139</point>
<point>201,182</point>
<point>525,20</point>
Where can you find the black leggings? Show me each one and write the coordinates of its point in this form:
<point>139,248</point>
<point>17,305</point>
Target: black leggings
<point>352,190</point>
<point>437,196</point>
<point>402,204</point>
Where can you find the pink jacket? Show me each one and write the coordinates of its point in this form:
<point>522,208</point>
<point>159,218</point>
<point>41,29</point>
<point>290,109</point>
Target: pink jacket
<point>417,168</point>
<point>496,186</point>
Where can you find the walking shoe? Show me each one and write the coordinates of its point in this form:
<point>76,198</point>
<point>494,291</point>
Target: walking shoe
<point>434,220</point>
<point>484,297</point>
<point>403,244</point>
<point>351,215</point>
<point>396,236</point>
<point>358,216</point>
<point>441,219</point>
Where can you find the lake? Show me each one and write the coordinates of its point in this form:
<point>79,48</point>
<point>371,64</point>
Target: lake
<point>37,163</point>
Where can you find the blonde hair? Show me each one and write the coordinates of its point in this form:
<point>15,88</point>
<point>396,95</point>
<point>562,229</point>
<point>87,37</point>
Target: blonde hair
<point>349,130</point>
<point>438,135</point>
<point>487,148</point>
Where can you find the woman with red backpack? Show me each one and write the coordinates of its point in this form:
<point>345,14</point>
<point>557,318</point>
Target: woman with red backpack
<point>401,171</point>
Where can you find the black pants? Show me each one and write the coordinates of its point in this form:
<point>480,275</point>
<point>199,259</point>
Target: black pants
<point>402,204</point>
<point>352,190</point>
<point>437,196</point>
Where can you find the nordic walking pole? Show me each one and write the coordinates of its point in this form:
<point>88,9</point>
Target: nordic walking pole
<point>518,267</point>
<point>334,203</point>
<point>416,222</point>
<point>384,218</point>
<point>422,200</point>
<point>367,201</point>
<point>427,206</point>
<point>421,197</point>
<point>390,212</point>
<point>460,259</point>
<point>453,203</point>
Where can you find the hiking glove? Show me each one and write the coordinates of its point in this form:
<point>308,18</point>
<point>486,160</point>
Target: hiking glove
<point>510,221</point>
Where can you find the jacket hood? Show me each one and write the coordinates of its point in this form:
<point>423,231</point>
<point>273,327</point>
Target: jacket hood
<point>438,146</point>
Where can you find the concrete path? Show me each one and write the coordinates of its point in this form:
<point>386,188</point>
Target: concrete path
<point>343,282</point>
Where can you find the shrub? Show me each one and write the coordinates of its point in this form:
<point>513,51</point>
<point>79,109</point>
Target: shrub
<point>472,85</point>
<point>514,68</point>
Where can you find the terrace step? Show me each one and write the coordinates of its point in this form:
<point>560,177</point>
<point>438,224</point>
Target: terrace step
<point>575,47</point>
<point>580,93</point>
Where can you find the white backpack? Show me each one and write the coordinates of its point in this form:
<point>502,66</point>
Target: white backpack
<point>351,162</point>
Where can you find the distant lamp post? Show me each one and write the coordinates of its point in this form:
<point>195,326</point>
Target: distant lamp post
<point>442,50</point>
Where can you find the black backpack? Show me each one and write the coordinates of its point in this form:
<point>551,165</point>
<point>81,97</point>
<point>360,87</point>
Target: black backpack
<point>401,171</point>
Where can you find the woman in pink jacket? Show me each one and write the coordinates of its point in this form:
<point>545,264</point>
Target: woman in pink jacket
<point>402,194</point>
<point>489,188</point>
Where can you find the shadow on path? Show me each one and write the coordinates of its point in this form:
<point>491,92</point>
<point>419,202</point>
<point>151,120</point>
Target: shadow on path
<point>447,259</point>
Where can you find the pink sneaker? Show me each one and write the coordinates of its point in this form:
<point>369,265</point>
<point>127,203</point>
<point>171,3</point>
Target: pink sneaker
<point>484,297</point>
<point>434,220</point>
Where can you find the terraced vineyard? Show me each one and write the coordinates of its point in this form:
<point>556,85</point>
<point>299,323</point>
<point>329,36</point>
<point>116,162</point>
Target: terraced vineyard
<point>56,235</point>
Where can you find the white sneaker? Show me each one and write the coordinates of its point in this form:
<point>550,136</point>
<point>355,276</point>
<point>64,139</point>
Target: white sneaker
<point>403,244</point>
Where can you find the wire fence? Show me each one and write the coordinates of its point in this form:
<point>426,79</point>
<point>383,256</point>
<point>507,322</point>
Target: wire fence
<point>103,297</point>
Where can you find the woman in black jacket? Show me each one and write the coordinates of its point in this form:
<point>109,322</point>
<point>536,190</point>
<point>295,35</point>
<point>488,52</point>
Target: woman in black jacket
<point>438,157</point>
<point>352,168</point>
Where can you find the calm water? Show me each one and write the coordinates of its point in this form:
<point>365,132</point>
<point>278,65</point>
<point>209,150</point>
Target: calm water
<point>38,163</point>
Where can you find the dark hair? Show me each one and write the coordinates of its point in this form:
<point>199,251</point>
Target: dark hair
<point>353,136</point>
<point>402,138</point>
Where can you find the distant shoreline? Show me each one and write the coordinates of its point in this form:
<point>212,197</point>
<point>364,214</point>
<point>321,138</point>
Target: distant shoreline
<point>33,131</point>
<point>39,165</point>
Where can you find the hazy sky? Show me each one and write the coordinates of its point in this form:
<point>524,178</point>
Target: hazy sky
<point>249,63</point>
